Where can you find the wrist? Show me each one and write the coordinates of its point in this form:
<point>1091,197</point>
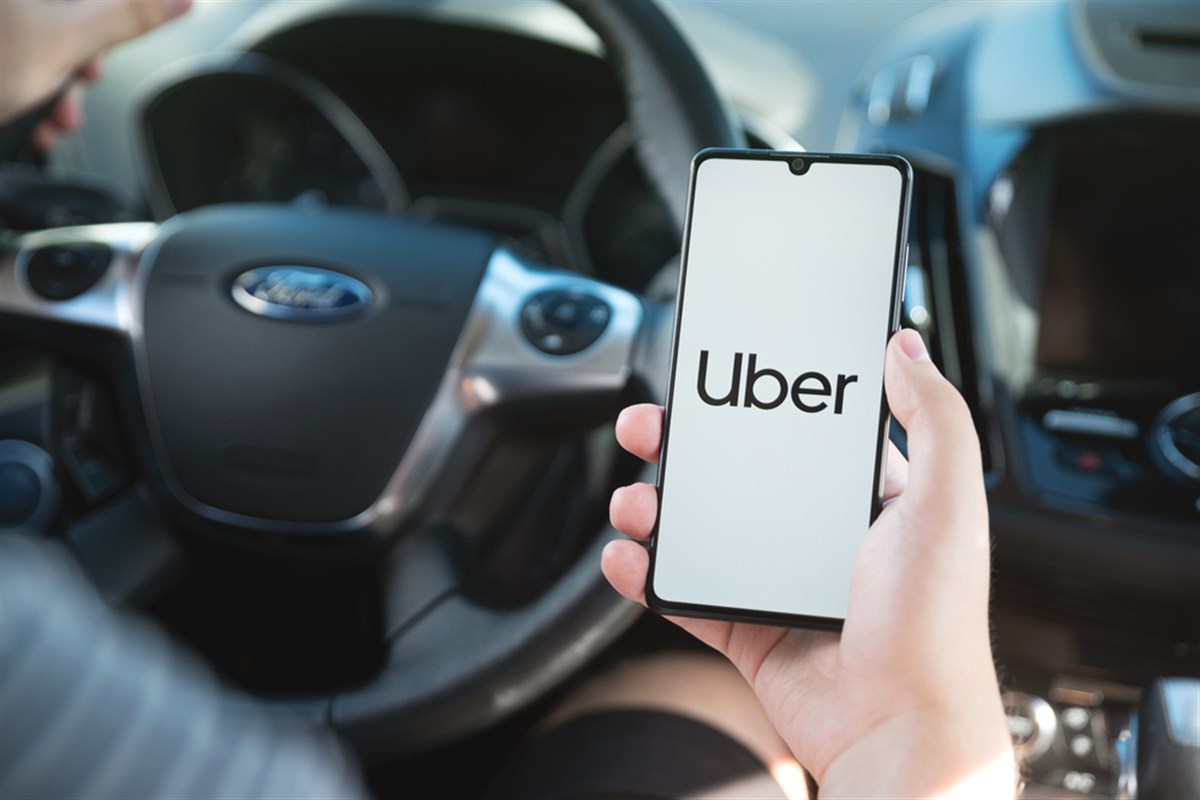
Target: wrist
<point>960,753</point>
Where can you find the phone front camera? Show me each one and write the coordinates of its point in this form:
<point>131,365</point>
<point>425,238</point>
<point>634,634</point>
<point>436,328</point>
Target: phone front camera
<point>799,166</point>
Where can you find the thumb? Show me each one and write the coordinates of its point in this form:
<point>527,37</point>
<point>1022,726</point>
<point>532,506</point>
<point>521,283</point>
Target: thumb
<point>945,469</point>
<point>44,42</point>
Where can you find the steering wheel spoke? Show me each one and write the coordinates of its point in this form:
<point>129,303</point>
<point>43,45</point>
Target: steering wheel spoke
<point>545,342</point>
<point>540,349</point>
<point>77,280</point>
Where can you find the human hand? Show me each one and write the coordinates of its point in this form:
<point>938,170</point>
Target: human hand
<point>46,44</point>
<point>905,701</point>
<point>66,114</point>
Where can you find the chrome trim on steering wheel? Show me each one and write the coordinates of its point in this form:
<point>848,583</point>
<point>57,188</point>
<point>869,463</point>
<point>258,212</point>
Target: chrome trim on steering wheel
<point>107,304</point>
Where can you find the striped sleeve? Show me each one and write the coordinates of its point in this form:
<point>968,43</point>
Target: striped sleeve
<point>96,704</point>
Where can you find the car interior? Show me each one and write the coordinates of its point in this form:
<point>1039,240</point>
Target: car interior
<point>392,527</point>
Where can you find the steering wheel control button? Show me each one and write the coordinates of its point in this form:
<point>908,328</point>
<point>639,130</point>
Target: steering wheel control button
<point>60,272</point>
<point>562,322</point>
<point>29,500</point>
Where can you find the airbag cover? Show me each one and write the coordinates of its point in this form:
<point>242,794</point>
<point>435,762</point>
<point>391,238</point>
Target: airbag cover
<point>297,419</point>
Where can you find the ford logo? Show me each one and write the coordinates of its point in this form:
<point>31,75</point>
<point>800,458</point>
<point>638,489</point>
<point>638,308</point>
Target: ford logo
<point>300,293</point>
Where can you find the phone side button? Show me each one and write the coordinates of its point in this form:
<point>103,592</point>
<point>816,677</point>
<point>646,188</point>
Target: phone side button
<point>900,312</point>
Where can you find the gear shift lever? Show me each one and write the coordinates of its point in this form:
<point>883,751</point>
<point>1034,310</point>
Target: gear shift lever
<point>1168,732</point>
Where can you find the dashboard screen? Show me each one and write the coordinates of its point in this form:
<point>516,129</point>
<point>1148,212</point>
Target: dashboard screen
<point>1120,293</point>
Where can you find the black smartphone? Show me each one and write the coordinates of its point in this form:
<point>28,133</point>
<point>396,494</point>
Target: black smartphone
<point>775,435</point>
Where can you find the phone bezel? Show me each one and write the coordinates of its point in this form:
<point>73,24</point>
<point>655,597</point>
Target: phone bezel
<point>662,605</point>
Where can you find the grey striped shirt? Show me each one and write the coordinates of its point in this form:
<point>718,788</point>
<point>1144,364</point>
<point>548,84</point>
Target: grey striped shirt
<point>95,704</point>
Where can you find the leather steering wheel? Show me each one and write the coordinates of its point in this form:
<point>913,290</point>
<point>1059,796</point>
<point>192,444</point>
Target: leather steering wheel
<point>216,312</point>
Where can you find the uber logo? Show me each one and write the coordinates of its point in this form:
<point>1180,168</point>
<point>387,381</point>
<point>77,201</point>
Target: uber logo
<point>807,385</point>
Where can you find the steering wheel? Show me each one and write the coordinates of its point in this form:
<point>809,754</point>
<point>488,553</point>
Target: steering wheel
<point>310,378</point>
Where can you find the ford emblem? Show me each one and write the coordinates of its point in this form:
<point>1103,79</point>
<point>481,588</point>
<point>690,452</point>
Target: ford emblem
<point>306,294</point>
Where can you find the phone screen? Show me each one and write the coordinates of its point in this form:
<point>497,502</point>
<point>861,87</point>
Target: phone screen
<point>771,460</point>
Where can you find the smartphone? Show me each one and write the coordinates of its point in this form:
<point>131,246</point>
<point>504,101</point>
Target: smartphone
<point>775,435</point>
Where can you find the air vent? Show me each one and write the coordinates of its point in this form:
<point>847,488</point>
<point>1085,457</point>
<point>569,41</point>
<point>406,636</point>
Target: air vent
<point>1162,620</point>
<point>1169,39</point>
<point>902,91</point>
<point>1150,49</point>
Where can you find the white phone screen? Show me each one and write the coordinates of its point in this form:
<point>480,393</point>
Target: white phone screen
<point>776,407</point>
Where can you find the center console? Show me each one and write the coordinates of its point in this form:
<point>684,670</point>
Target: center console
<point>1094,225</point>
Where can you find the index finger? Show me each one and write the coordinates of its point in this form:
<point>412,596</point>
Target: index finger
<point>639,430</point>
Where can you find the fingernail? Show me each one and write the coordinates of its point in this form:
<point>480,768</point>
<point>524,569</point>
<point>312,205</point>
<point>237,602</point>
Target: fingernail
<point>177,7</point>
<point>913,345</point>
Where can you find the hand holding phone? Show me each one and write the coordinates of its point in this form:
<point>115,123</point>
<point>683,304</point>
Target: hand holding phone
<point>904,701</point>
